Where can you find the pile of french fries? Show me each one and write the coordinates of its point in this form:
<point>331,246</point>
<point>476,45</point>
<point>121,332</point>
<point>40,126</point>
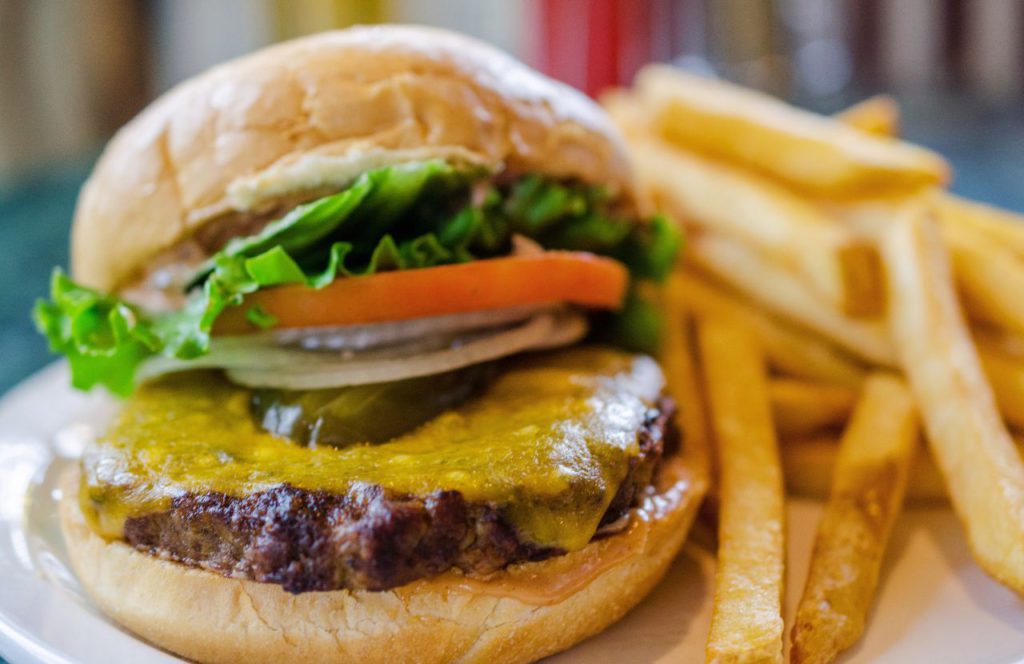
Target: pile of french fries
<point>835,305</point>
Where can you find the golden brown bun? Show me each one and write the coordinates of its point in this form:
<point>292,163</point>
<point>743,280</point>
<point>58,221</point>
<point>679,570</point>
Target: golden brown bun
<point>520,615</point>
<point>310,114</point>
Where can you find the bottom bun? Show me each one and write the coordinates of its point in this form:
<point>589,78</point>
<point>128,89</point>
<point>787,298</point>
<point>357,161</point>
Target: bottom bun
<point>521,614</point>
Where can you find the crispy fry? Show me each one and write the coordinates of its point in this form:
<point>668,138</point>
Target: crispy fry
<point>802,408</point>
<point>1004,228</point>
<point>683,383</point>
<point>868,484</point>
<point>840,266</point>
<point>790,350</point>
<point>778,290</point>
<point>746,622</point>
<point>821,390</point>
<point>1000,341</point>
<point>878,115</point>
<point>972,229</point>
<point>808,151</point>
<point>983,471</point>
<point>1006,375</point>
<point>626,111</point>
<point>990,277</point>
<point>808,464</point>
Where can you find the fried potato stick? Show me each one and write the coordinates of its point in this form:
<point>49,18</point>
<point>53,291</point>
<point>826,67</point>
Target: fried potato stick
<point>971,445</point>
<point>868,486</point>
<point>746,622</point>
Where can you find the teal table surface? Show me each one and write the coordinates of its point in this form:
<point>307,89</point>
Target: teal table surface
<point>35,217</point>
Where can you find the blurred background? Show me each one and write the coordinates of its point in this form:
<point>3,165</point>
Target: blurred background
<point>73,72</point>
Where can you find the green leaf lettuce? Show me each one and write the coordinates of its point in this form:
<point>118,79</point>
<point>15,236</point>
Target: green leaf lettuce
<point>395,218</point>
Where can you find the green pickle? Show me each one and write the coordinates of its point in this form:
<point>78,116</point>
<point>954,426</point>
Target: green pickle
<point>547,441</point>
<point>364,413</point>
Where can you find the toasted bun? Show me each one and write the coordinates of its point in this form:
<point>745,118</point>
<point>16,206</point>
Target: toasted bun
<point>520,615</point>
<point>311,114</point>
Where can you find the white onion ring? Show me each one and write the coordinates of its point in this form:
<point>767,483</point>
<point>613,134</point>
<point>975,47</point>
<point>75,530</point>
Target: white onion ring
<point>277,348</point>
<point>542,331</point>
<point>364,337</point>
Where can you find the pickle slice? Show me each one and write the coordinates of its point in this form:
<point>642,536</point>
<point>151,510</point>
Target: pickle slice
<point>375,413</point>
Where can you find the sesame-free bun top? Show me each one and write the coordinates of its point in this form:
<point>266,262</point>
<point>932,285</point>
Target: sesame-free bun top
<point>307,116</point>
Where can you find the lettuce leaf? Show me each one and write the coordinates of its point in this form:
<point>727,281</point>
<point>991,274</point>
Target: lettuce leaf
<point>103,338</point>
<point>395,218</point>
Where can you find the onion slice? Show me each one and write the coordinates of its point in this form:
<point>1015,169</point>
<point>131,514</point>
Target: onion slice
<point>333,357</point>
<point>376,335</point>
<point>278,348</point>
<point>546,330</point>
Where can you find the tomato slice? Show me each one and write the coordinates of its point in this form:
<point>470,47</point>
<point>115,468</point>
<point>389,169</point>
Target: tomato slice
<point>495,283</point>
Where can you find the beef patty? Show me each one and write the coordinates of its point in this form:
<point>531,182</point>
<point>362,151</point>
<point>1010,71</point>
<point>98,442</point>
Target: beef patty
<point>365,539</point>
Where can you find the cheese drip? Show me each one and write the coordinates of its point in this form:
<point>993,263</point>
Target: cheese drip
<point>548,443</point>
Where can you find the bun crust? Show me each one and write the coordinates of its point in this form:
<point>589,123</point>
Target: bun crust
<point>520,615</point>
<point>309,115</point>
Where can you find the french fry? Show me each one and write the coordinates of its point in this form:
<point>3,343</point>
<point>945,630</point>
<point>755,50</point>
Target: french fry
<point>1004,228</point>
<point>868,485</point>
<point>999,341</point>
<point>770,285</point>
<point>746,621</point>
<point>1006,375</point>
<point>990,277</point>
<point>1002,358</point>
<point>878,115</point>
<point>808,463</point>
<point>983,471</point>
<point>802,408</point>
<point>677,357</point>
<point>790,350</point>
<point>626,111</point>
<point>678,350</point>
<point>841,267</point>
<point>808,151</point>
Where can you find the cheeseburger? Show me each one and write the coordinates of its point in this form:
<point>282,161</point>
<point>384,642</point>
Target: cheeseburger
<point>372,299</point>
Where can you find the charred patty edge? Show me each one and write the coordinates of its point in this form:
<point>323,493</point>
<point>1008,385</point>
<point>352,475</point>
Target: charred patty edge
<point>365,539</point>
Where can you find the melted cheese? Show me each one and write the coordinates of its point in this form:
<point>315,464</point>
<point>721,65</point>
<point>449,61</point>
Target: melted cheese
<point>548,444</point>
<point>555,580</point>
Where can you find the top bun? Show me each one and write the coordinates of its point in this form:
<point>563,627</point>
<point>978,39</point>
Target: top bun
<point>307,116</point>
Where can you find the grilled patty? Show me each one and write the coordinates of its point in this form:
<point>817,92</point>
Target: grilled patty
<point>364,539</point>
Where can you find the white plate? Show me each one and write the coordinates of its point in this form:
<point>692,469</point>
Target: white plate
<point>934,606</point>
